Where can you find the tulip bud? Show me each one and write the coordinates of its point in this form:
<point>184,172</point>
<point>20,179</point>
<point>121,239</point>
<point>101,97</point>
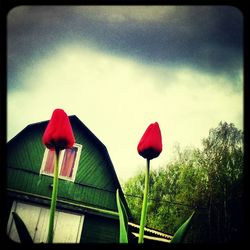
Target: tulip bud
<point>58,133</point>
<point>150,145</point>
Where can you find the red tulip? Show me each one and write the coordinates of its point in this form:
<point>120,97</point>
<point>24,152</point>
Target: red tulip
<point>150,145</point>
<point>58,133</point>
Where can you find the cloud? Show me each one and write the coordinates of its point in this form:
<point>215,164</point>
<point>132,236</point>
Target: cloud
<point>117,98</point>
<point>125,14</point>
<point>206,38</point>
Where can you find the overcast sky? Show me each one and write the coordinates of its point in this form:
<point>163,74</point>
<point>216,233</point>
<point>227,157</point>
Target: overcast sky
<point>119,68</point>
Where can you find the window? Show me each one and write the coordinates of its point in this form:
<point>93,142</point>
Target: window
<point>68,162</point>
<point>67,228</point>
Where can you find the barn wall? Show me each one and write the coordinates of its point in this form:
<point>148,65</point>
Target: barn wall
<point>41,185</point>
<point>25,150</point>
<point>98,229</point>
<point>94,184</point>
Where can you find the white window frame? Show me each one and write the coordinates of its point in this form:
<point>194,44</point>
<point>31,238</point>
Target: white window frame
<point>61,156</point>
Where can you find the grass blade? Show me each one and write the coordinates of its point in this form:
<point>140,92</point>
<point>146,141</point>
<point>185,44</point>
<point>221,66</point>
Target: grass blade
<point>123,219</point>
<point>182,231</point>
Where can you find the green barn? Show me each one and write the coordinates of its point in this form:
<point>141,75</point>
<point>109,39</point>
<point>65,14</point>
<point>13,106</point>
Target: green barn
<point>86,205</point>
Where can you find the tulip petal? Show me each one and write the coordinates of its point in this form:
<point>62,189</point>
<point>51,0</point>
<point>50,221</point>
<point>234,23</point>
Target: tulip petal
<point>150,145</point>
<point>58,133</point>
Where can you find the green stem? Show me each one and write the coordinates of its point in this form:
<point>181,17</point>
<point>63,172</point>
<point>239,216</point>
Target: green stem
<point>144,205</point>
<point>53,199</point>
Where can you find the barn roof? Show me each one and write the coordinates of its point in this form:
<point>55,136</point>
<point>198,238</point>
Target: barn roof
<point>18,163</point>
<point>151,234</point>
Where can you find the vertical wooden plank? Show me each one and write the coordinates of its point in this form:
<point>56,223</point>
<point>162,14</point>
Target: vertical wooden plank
<point>42,226</point>
<point>79,233</point>
<point>29,214</point>
<point>67,227</point>
<point>11,227</point>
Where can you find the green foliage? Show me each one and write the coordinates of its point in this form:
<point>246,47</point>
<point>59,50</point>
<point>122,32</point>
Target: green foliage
<point>208,180</point>
<point>135,186</point>
<point>22,229</point>
<point>123,219</point>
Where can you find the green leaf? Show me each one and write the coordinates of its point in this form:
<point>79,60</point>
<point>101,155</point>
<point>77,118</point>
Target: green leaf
<point>123,219</point>
<point>182,231</point>
<point>21,229</point>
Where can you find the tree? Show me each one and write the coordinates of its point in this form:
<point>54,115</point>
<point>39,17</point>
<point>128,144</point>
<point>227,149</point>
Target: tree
<point>209,180</point>
<point>223,161</point>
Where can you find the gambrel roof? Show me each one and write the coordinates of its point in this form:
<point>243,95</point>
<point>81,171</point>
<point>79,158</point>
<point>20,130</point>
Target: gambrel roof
<point>96,180</point>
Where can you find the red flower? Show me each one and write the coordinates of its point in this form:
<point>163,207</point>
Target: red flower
<point>150,145</point>
<point>58,133</point>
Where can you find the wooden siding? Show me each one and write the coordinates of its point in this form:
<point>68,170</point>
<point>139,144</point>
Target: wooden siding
<point>40,184</point>
<point>98,229</point>
<point>25,150</point>
<point>95,229</point>
<point>68,226</point>
<point>94,183</point>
